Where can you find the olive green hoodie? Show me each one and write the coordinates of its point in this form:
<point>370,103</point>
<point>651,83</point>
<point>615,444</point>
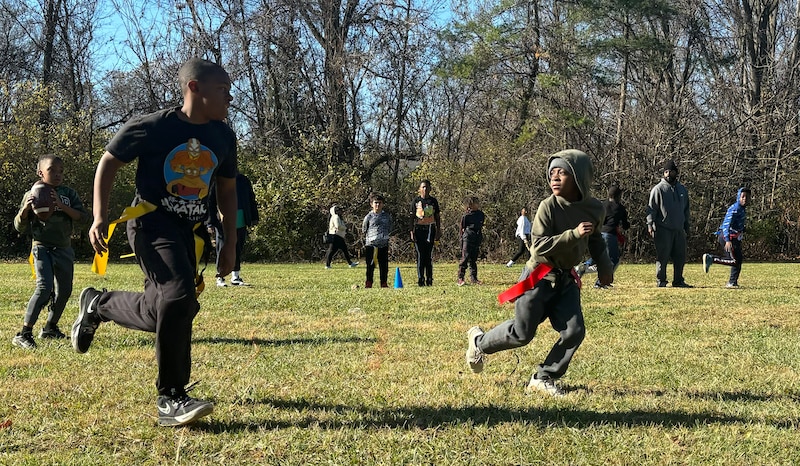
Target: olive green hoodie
<point>554,232</point>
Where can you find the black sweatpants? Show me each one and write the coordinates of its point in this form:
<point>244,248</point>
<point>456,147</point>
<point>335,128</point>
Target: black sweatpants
<point>371,253</point>
<point>165,251</point>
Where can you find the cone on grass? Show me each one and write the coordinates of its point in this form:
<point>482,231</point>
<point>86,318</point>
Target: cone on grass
<point>398,280</point>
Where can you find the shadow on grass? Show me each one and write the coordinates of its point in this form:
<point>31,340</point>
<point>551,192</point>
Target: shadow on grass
<point>339,416</point>
<point>286,342</point>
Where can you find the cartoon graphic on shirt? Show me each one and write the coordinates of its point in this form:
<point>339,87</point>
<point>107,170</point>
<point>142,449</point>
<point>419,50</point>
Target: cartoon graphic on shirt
<point>424,214</point>
<point>187,173</point>
<point>188,170</point>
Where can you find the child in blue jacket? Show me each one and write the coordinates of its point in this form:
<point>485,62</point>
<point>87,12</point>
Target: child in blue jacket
<point>730,236</point>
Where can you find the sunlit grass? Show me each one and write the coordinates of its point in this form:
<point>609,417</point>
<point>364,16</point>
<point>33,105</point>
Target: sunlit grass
<point>305,368</point>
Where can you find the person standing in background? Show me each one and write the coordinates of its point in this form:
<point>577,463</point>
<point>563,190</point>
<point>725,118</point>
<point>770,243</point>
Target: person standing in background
<point>522,235</point>
<point>246,216</point>
<point>377,226</point>
<point>425,232</point>
<point>668,224</point>
<point>337,230</point>
<point>730,235</point>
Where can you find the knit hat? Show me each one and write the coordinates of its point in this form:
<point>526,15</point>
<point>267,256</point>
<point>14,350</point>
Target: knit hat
<point>558,162</point>
<point>670,165</point>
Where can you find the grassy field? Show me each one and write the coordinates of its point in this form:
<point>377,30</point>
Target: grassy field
<point>304,368</point>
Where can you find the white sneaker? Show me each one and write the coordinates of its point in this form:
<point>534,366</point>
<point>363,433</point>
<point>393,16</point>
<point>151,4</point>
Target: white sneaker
<point>238,282</point>
<point>475,357</point>
<point>353,264</point>
<point>221,282</point>
<point>548,386</point>
<point>510,263</point>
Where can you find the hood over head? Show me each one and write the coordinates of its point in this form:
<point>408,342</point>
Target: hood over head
<point>579,164</point>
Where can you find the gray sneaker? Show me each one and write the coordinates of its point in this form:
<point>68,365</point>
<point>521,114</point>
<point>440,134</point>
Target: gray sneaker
<point>548,386</point>
<point>88,320</point>
<point>24,341</point>
<point>475,357</point>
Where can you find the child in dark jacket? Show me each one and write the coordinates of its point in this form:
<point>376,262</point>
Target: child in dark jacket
<point>471,238</point>
<point>730,235</point>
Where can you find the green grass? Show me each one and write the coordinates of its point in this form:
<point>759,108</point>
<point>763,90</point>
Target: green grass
<point>305,369</point>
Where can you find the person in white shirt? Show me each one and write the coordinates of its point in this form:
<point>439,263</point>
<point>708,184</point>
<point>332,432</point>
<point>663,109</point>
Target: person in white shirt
<point>523,236</point>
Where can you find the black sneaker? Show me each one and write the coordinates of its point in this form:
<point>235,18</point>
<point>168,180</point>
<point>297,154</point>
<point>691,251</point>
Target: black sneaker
<point>24,341</point>
<point>88,320</point>
<point>52,331</point>
<point>181,409</point>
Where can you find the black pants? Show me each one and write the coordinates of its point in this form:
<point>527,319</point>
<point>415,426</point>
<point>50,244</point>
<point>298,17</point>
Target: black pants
<point>337,244</point>
<point>469,258</point>
<point>383,263</point>
<point>424,237</point>
<point>733,259</point>
<point>165,251</point>
<point>521,248</point>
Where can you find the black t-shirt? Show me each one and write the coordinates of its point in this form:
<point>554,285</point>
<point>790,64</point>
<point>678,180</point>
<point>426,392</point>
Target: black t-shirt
<point>178,160</point>
<point>425,210</point>
<point>472,225</point>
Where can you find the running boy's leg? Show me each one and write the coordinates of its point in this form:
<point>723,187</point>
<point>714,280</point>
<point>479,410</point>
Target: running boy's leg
<point>566,318</point>
<point>528,314</point>
<point>168,305</point>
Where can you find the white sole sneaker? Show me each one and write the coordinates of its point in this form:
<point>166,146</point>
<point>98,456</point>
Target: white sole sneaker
<point>475,357</point>
<point>547,386</point>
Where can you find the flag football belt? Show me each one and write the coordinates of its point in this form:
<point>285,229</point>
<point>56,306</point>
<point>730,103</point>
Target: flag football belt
<point>100,262</point>
<point>529,282</point>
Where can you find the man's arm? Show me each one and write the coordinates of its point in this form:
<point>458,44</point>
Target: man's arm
<point>226,202</point>
<point>104,177</point>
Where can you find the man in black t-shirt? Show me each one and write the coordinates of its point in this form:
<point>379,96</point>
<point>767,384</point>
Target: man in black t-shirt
<point>182,155</point>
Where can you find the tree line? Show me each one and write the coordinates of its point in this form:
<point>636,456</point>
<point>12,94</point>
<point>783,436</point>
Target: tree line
<point>335,99</point>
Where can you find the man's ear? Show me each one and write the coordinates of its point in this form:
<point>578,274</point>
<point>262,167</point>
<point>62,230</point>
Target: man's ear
<point>193,86</point>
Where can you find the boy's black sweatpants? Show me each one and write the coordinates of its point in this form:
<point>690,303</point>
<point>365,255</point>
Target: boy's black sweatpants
<point>165,251</point>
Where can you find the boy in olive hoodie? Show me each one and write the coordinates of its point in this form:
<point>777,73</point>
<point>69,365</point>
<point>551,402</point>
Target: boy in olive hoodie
<point>566,225</point>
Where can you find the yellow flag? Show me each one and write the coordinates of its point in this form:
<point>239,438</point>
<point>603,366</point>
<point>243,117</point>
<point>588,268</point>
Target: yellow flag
<point>33,269</point>
<point>100,263</point>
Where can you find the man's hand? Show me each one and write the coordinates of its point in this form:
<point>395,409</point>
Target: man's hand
<point>728,247</point>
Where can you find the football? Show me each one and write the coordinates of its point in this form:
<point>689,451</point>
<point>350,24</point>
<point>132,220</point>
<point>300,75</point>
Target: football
<point>43,204</point>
